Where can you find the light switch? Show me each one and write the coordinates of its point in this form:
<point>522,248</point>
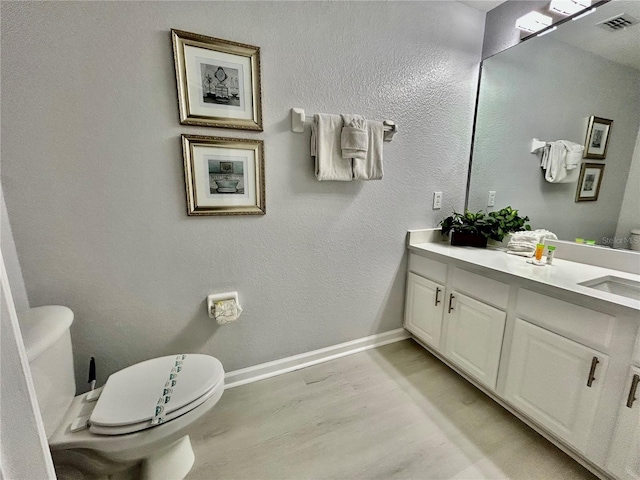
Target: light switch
<point>492,198</point>
<point>437,200</point>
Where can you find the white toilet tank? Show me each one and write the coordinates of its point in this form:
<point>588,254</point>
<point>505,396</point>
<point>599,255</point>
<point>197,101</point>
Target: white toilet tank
<point>45,331</point>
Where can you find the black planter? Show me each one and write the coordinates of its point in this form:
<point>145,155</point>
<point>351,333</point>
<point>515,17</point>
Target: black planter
<point>468,240</point>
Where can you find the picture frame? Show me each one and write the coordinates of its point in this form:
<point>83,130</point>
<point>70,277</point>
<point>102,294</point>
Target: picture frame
<point>589,182</point>
<point>597,140</point>
<point>237,188</point>
<point>218,82</point>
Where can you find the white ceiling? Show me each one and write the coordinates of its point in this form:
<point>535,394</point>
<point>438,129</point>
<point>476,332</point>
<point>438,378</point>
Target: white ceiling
<point>621,46</point>
<point>483,5</point>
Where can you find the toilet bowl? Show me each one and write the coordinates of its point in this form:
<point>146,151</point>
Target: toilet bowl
<point>136,425</point>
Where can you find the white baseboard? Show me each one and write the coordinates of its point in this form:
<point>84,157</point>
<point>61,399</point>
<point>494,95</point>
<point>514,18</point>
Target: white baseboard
<point>296,362</point>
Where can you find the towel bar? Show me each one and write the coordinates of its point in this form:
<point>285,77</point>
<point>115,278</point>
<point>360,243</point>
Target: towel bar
<point>537,144</point>
<point>298,118</point>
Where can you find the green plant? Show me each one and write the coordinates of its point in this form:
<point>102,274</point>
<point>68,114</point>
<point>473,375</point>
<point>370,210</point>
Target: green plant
<point>507,221</point>
<point>468,222</point>
<point>493,225</point>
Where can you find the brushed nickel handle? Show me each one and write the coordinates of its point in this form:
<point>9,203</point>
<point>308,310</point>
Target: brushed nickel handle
<point>451,297</point>
<point>592,372</point>
<point>632,391</point>
<point>437,293</point>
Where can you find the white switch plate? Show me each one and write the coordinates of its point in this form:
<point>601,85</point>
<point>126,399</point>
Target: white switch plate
<point>437,200</point>
<point>492,198</point>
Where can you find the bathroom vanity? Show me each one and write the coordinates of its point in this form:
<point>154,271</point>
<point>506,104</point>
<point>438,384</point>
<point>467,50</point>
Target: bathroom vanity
<point>563,357</point>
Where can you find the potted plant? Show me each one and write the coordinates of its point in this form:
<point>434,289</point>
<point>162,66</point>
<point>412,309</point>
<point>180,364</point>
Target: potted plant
<point>469,229</point>
<point>474,229</point>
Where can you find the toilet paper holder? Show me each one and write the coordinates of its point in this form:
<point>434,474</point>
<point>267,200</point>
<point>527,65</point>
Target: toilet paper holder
<point>229,311</point>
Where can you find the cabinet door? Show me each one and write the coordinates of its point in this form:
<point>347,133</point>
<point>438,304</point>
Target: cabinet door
<point>423,312</point>
<point>474,337</point>
<point>555,381</point>
<point>624,456</point>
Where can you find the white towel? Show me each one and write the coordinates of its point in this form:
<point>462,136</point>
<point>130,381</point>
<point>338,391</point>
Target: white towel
<point>354,137</point>
<point>524,243</point>
<point>325,147</point>
<point>560,159</point>
<point>371,167</point>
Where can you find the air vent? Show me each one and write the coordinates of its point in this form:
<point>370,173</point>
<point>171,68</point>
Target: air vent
<point>619,22</point>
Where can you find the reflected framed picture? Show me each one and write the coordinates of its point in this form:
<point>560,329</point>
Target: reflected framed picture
<point>224,176</point>
<point>598,131</point>
<point>589,182</point>
<point>218,82</point>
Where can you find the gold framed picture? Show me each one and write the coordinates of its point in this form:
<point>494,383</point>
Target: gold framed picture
<point>224,176</point>
<point>598,131</point>
<point>218,82</point>
<point>589,182</point>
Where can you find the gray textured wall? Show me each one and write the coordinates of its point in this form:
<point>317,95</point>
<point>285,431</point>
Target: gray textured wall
<point>547,89</point>
<point>92,171</point>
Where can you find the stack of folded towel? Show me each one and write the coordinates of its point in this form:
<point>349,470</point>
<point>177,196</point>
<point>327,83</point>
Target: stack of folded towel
<point>524,243</point>
<point>560,160</point>
<point>347,147</point>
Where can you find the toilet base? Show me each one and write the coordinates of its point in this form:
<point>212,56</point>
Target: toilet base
<point>174,461</point>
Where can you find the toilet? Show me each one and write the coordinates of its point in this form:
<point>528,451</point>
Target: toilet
<point>136,425</point>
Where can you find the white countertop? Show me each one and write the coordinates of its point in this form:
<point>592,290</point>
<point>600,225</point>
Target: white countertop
<point>563,274</point>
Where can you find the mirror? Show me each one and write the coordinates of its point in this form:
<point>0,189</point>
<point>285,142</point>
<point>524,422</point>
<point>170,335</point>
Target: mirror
<point>547,88</point>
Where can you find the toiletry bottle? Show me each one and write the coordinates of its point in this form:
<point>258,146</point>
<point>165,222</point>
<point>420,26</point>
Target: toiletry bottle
<point>550,251</point>
<point>539,251</point>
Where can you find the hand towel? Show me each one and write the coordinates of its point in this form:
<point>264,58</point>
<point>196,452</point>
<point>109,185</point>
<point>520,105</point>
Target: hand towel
<point>371,167</point>
<point>560,160</point>
<point>354,139</point>
<point>325,147</point>
<point>524,243</point>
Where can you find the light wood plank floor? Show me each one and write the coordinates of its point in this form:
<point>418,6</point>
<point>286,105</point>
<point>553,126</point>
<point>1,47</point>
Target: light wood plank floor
<point>392,412</point>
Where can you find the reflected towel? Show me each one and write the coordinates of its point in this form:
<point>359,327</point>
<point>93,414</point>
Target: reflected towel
<point>560,160</point>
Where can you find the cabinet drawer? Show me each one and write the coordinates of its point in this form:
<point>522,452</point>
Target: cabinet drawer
<point>431,269</point>
<point>581,324</point>
<point>482,288</point>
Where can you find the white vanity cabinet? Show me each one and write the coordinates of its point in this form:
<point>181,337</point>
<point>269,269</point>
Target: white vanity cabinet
<point>624,455</point>
<point>555,381</point>
<point>424,309</point>
<point>550,351</point>
<point>474,337</point>
<point>448,313</point>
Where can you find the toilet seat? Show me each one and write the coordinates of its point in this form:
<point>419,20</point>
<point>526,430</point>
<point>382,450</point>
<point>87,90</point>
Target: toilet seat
<point>176,383</point>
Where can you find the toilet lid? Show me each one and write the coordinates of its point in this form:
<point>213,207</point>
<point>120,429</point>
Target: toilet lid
<point>131,396</point>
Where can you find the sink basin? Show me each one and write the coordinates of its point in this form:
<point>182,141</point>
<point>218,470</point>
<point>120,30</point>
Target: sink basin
<point>616,285</point>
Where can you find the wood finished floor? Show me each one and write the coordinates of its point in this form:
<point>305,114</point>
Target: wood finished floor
<point>394,412</point>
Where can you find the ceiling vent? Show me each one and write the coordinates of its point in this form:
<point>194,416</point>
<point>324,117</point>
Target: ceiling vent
<point>619,22</point>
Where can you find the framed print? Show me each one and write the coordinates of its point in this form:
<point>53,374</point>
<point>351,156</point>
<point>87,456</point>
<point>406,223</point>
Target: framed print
<point>595,145</point>
<point>589,182</point>
<point>223,176</point>
<point>218,82</point>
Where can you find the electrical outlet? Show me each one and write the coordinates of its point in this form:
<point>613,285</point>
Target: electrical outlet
<point>492,198</point>
<point>437,200</point>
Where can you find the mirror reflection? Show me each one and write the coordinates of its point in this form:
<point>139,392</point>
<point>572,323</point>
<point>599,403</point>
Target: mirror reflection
<point>555,88</point>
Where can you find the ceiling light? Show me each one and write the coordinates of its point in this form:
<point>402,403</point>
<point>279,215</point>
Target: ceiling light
<point>547,31</point>
<point>533,22</point>
<point>569,7</point>
<point>588,12</point>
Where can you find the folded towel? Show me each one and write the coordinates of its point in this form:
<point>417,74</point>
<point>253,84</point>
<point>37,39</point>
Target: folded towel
<point>355,137</point>
<point>560,160</point>
<point>524,243</point>
<point>325,147</point>
<point>371,167</point>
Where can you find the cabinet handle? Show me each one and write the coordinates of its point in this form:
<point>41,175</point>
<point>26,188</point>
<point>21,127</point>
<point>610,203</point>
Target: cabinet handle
<point>451,297</point>
<point>437,293</point>
<point>632,392</point>
<point>592,372</point>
